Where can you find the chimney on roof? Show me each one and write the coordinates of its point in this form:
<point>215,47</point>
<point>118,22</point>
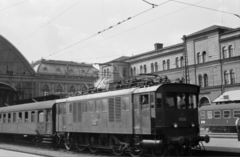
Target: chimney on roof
<point>158,46</point>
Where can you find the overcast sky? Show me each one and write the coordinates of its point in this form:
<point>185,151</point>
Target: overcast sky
<point>68,29</point>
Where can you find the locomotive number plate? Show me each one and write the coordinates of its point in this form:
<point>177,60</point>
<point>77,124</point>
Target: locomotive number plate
<point>182,119</point>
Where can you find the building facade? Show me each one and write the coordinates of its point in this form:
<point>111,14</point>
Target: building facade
<point>21,80</point>
<point>209,58</point>
<point>62,77</point>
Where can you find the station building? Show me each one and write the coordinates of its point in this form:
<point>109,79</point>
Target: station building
<point>209,58</point>
<point>22,80</point>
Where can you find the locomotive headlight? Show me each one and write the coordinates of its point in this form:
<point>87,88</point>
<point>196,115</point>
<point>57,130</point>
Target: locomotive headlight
<point>175,125</point>
<point>193,125</point>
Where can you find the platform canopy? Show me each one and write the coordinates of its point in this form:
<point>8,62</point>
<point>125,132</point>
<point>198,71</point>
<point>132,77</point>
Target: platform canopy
<point>229,96</point>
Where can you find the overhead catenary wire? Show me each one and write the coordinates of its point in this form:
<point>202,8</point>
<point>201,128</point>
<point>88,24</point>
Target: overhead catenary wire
<point>126,31</point>
<point>208,8</point>
<point>108,28</point>
<point>49,22</point>
<point>13,5</point>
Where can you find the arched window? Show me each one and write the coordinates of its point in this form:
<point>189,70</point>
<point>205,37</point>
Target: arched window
<point>71,90</point>
<point>200,80</point>
<point>226,77</point>
<point>59,90</point>
<point>204,56</point>
<point>177,62</point>
<point>145,69</point>
<point>198,58</point>
<point>232,76</point>
<point>182,61</point>
<point>156,66</point>
<point>205,77</point>
<point>224,52</point>
<point>152,67</point>
<point>164,65</point>
<point>45,90</point>
<point>230,51</point>
<point>131,72</point>
<point>124,72</point>
<point>141,69</point>
<point>134,71</point>
<point>168,64</point>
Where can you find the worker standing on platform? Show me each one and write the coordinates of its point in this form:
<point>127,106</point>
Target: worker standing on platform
<point>237,123</point>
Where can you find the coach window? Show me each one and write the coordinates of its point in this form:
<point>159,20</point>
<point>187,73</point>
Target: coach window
<point>217,114</point>
<point>26,117</point>
<point>40,116</point>
<point>202,115</point>
<point>104,105</point>
<point>0,118</point>
<point>159,100</point>
<point>9,117</point>
<point>226,114</point>
<point>20,117</point>
<point>125,103</point>
<point>209,114</point>
<point>236,113</point>
<point>33,116</point>
<point>14,117</point>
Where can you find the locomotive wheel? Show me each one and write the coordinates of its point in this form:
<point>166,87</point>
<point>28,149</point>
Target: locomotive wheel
<point>136,148</point>
<point>68,141</point>
<point>78,141</point>
<point>92,140</point>
<point>116,147</point>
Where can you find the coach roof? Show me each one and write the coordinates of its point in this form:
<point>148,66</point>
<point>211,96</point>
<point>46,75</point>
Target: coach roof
<point>28,107</point>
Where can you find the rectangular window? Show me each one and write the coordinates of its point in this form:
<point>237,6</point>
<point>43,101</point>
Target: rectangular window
<point>14,118</point>
<point>9,117</point>
<point>98,105</point>
<point>104,105</point>
<point>125,103</point>
<point>209,114</point>
<point>26,117</point>
<point>33,116</point>
<point>91,106</point>
<point>217,114</point>
<point>40,116</point>
<point>227,114</point>
<point>202,115</point>
<point>236,113</point>
<point>19,117</point>
<point>4,118</point>
<point>0,118</point>
<point>85,107</point>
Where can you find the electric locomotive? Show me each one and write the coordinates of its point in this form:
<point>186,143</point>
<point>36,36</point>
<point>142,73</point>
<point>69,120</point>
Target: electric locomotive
<point>162,119</point>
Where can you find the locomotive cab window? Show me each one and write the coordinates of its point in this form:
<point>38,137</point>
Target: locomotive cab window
<point>144,99</point>
<point>180,100</point>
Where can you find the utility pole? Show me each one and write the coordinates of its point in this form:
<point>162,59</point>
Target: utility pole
<point>185,55</point>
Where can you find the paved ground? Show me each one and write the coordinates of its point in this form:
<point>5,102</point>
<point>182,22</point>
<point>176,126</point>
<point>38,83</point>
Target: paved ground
<point>8,153</point>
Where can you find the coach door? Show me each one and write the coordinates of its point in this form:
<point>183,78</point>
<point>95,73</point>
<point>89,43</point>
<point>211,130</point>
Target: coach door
<point>49,121</point>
